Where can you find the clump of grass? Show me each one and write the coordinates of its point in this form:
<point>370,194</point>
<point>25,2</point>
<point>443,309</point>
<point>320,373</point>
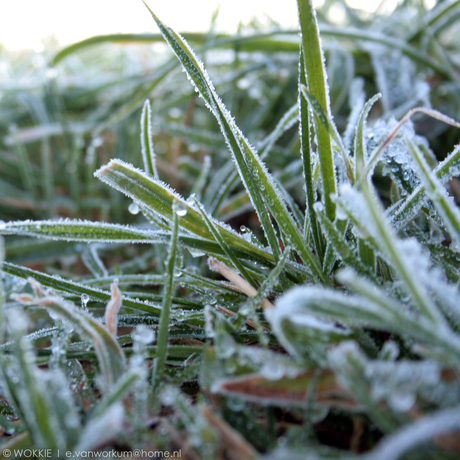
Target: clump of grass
<point>291,289</point>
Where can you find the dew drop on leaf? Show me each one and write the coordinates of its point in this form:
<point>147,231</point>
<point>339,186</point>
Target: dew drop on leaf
<point>84,301</point>
<point>181,210</point>
<point>143,334</point>
<point>133,208</point>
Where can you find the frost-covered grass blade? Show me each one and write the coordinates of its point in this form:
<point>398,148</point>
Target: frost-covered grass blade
<point>253,172</point>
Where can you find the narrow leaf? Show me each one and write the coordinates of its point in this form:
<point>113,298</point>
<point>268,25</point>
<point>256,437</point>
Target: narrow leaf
<point>148,154</point>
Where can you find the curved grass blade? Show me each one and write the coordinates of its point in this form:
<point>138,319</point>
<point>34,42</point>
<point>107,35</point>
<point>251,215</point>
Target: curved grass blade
<point>159,198</point>
<point>371,308</point>
<point>93,262</point>
<point>375,154</point>
<point>267,42</point>
<point>360,139</point>
<point>248,168</point>
<point>110,356</point>
<point>365,252</point>
<point>390,42</point>
<point>82,231</point>
<point>253,172</point>
<point>286,122</point>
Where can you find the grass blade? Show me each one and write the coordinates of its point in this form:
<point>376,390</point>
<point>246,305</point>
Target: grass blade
<point>227,250</point>
<point>317,84</point>
<point>437,193</point>
<point>406,211</point>
<point>110,356</point>
<point>168,291</point>
<point>71,287</point>
<point>253,172</point>
<point>159,198</point>
<point>148,154</point>
<point>308,162</point>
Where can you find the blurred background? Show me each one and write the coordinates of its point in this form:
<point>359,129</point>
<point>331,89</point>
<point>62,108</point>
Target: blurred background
<point>28,24</point>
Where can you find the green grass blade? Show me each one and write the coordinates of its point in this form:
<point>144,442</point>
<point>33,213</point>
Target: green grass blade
<point>227,250</point>
<point>71,287</point>
<point>83,231</point>
<point>437,193</point>
<point>36,404</point>
<point>365,252</point>
<point>328,123</point>
<point>405,212</point>
<point>252,171</point>
<point>286,122</point>
<point>148,154</point>
<point>159,198</point>
<point>93,262</point>
<point>396,252</point>
<point>307,161</point>
<point>168,292</point>
<point>390,42</point>
<point>248,164</point>
<point>360,137</point>
<point>317,84</point>
<point>110,356</point>
<point>76,230</point>
<point>124,384</point>
<point>340,244</point>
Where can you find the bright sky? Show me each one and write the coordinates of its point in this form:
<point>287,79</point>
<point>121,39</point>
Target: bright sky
<point>25,23</point>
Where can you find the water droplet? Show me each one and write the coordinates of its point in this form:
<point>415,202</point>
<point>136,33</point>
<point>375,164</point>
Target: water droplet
<point>196,252</point>
<point>181,210</point>
<point>143,334</point>
<point>401,401</point>
<point>84,302</point>
<point>272,371</point>
<point>191,200</point>
<point>133,208</point>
